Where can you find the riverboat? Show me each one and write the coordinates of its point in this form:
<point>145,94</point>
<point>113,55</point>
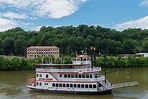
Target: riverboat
<point>79,77</point>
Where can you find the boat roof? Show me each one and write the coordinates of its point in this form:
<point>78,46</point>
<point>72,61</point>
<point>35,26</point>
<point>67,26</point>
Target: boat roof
<point>62,64</point>
<point>82,56</point>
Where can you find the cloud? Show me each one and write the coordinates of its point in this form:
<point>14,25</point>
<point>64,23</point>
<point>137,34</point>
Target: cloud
<point>45,8</point>
<point>37,28</point>
<point>6,24</point>
<point>139,23</point>
<point>144,3</point>
<point>12,15</point>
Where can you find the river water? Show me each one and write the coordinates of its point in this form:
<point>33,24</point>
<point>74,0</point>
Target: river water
<point>13,86</point>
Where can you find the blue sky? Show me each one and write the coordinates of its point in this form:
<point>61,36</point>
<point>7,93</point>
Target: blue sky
<point>114,14</point>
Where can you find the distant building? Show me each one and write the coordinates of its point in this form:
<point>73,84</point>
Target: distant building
<point>35,51</point>
<point>141,54</point>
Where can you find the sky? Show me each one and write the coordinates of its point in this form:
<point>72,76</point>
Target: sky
<point>31,15</point>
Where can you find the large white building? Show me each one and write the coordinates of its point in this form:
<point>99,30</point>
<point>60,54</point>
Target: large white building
<point>35,51</point>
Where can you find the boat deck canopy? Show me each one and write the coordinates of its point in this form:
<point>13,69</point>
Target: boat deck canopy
<point>62,65</point>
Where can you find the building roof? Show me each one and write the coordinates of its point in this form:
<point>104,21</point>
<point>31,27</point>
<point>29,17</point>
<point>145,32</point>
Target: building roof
<point>42,47</point>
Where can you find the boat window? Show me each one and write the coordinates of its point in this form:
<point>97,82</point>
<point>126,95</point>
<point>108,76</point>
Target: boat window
<point>87,76</point>
<point>90,75</point>
<point>83,76</point>
<point>37,83</point>
<point>86,86</point>
<point>63,85</point>
<point>53,84</point>
<point>94,86</point>
<point>57,84</point>
<point>75,85</point>
<point>68,75</point>
<point>79,76</point>
<point>60,85</point>
<point>76,76</point>
<point>96,75</point>
<point>78,85</point>
<point>40,84</point>
<point>60,75</point>
<point>82,86</point>
<point>47,76</point>
<point>72,76</point>
<point>44,83</point>
<point>90,86</point>
<point>71,85</point>
<point>65,75</point>
<point>36,75</point>
<point>67,85</point>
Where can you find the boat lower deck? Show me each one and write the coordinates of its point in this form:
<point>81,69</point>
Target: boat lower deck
<point>74,92</point>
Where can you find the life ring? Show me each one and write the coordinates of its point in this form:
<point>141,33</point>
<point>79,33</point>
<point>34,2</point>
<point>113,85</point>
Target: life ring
<point>80,71</point>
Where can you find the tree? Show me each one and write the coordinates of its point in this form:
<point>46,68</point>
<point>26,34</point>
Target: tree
<point>8,44</point>
<point>145,45</point>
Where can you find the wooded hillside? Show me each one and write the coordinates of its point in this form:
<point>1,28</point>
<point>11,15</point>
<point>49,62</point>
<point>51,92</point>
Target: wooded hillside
<point>72,39</point>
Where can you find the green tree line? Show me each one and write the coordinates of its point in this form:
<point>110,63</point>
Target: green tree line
<point>17,64</point>
<point>72,40</point>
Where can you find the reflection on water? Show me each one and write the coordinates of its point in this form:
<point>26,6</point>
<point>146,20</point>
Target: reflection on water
<point>13,85</point>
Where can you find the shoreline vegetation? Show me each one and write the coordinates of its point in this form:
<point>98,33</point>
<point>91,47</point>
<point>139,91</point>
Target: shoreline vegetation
<point>73,40</point>
<point>18,64</point>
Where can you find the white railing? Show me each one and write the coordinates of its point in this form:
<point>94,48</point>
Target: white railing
<point>81,62</point>
<point>107,85</point>
<point>68,70</point>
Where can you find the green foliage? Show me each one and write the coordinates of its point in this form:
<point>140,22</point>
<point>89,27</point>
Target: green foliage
<point>122,62</point>
<point>16,64</point>
<point>67,60</point>
<point>71,39</point>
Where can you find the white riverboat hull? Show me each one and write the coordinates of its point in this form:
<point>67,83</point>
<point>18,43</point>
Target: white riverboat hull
<point>71,92</point>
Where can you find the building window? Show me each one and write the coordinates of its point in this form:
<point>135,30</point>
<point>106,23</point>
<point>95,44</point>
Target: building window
<point>36,75</point>
<point>40,75</point>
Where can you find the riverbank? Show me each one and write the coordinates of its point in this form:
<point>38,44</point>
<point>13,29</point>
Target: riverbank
<point>17,64</point>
